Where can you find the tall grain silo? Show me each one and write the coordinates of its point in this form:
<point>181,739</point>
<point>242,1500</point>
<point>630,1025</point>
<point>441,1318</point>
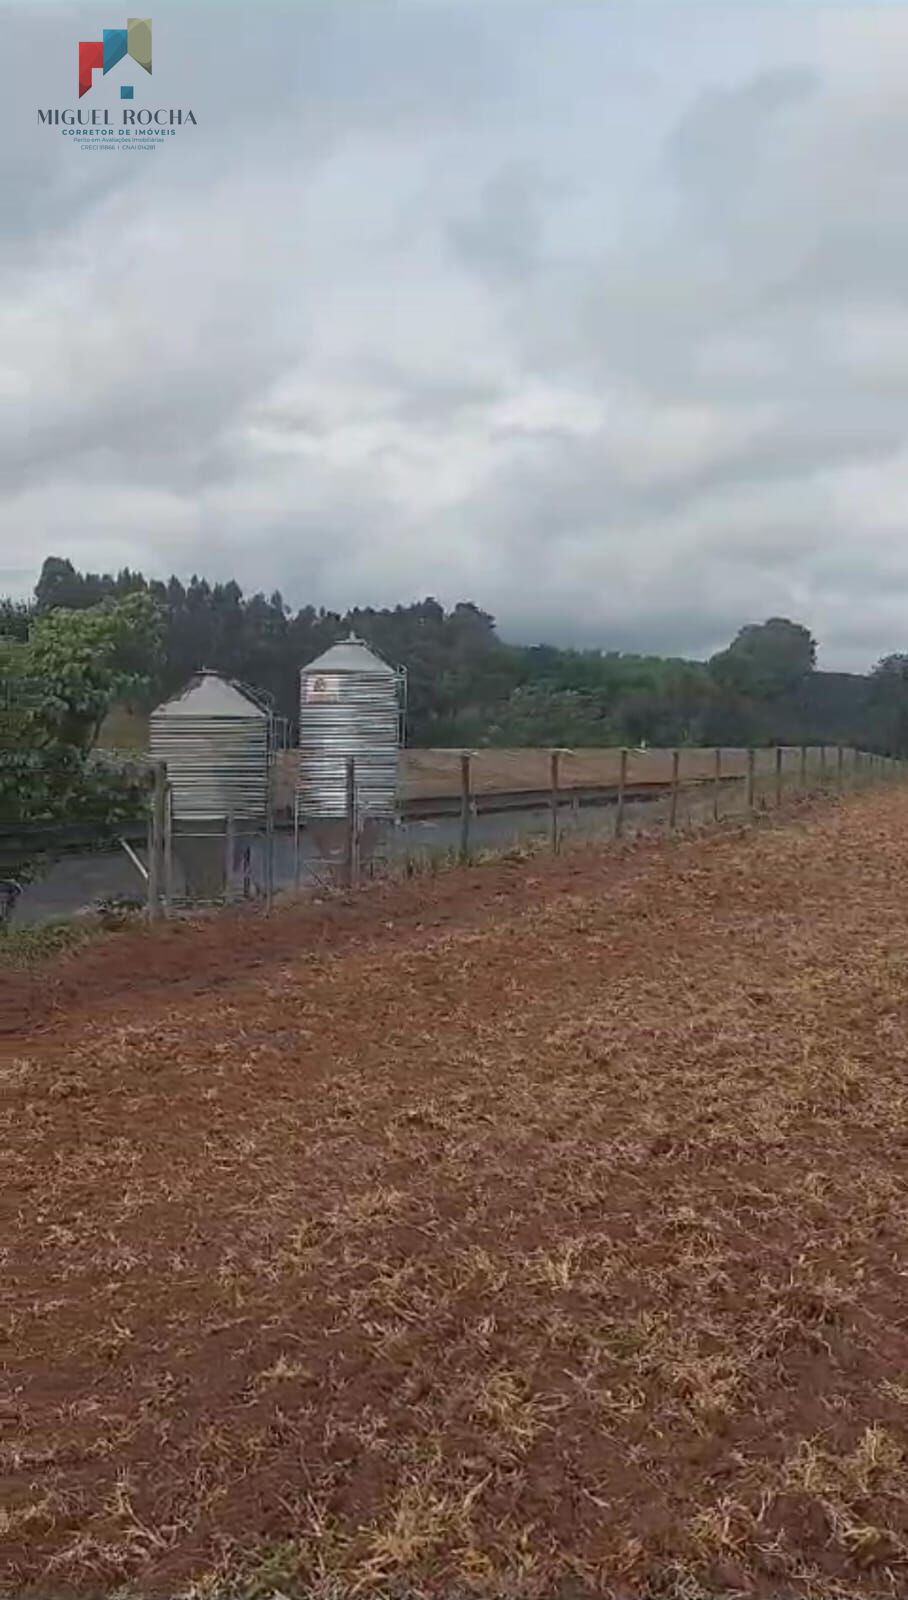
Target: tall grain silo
<point>215,740</point>
<point>351,705</point>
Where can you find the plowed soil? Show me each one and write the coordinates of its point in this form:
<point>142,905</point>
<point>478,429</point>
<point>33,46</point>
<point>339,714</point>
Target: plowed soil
<point>536,1230</point>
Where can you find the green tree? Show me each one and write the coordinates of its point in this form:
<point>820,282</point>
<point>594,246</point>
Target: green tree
<point>59,585</point>
<point>14,620</point>
<point>55,689</point>
<point>889,698</point>
<point>86,660</point>
<point>466,686</point>
<point>766,660</point>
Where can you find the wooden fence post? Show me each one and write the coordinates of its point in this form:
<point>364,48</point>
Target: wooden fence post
<point>465,805</point>
<point>156,826</point>
<point>555,759</point>
<point>269,839</point>
<point>296,842</point>
<point>751,778</point>
<point>717,779</point>
<point>839,767</point>
<point>779,754</point>
<point>151,852</point>
<point>622,784</point>
<point>350,825</point>
<point>229,853</point>
<point>803,767</point>
<point>168,848</point>
<point>673,805</point>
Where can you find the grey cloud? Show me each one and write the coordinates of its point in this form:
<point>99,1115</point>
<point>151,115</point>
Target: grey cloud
<point>796,447</point>
<point>439,400</point>
<point>47,188</point>
<point>724,137</point>
<point>502,239</point>
<point>428,400</point>
<point>352,340</point>
<point>690,630</point>
<point>263,81</point>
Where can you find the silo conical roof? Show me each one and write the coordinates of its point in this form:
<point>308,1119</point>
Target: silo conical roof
<point>350,655</point>
<point>210,695</point>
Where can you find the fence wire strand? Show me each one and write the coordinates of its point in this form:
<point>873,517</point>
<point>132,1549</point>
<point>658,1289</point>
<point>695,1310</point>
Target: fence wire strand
<point>509,804</point>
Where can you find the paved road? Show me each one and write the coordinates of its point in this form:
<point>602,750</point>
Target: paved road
<point>79,880</point>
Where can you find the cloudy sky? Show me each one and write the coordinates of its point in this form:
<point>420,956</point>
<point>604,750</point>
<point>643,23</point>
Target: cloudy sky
<point>595,313</point>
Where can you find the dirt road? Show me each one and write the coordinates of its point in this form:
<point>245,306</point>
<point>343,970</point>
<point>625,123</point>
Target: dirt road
<point>538,1230</point>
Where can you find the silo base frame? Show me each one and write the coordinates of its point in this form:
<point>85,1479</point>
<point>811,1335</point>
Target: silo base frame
<point>342,855</point>
<point>213,862</point>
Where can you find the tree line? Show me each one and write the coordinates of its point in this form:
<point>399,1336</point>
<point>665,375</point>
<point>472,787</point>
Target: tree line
<point>468,687</point>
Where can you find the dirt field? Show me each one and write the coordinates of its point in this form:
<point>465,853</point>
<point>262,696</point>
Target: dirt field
<point>431,772</point>
<point>426,773</point>
<point>534,1231</point>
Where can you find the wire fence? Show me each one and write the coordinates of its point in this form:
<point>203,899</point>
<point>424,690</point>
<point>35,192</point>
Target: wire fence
<point>455,806</point>
<point>648,790</point>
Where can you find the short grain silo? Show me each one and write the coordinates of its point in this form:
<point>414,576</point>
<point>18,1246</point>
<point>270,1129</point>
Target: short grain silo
<point>351,707</point>
<point>215,740</point>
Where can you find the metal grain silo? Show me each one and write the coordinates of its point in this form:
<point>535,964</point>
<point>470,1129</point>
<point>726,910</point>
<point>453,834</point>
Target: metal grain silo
<point>351,705</point>
<point>215,741</point>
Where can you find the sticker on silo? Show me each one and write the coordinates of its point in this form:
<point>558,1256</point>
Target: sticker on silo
<point>320,688</point>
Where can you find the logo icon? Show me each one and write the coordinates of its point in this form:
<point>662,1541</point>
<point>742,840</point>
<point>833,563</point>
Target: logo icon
<point>321,689</point>
<point>134,40</point>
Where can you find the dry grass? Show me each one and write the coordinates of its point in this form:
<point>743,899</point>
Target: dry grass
<point>427,773</point>
<point>532,1232</point>
<point>437,772</point>
<point>30,945</point>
